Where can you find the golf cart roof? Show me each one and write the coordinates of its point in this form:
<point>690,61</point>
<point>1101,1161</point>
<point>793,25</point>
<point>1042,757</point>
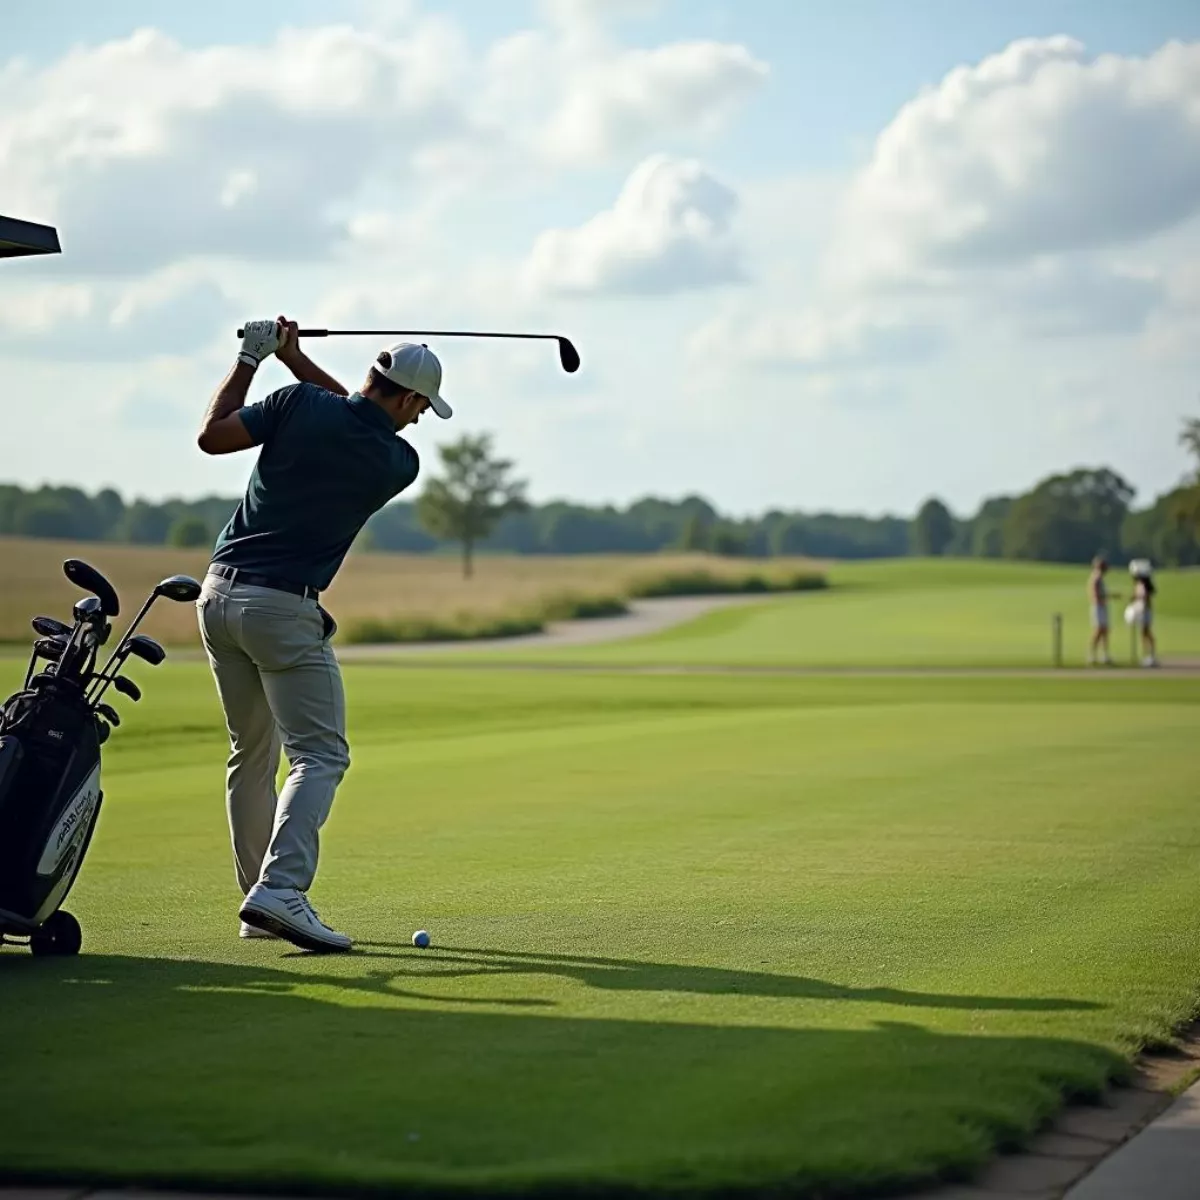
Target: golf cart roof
<point>18,238</point>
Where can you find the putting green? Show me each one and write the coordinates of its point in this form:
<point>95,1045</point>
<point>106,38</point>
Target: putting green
<point>688,931</point>
<point>908,613</point>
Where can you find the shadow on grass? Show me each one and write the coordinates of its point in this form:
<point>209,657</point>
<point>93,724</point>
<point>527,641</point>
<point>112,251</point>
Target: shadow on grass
<point>622,974</point>
<point>285,1075</point>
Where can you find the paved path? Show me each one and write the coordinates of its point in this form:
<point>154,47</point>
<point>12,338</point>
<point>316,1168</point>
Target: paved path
<point>1160,1163</point>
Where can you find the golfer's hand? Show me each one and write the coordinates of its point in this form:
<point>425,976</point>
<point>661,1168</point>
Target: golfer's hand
<point>260,339</point>
<point>288,351</point>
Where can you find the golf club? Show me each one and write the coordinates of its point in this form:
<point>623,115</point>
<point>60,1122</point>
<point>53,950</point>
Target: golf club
<point>50,627</point>
<point>568,356</point>
<point>109,713</point>
<point>141,646</point>
<point>127,687</point>
<point>50,647</point>
<point>84,576</point>
<point>78,656</point>
<point>180,588</point>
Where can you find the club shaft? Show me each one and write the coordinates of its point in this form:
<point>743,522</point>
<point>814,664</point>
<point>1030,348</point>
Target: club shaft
<point>97,692</point>
<point>320,333</point>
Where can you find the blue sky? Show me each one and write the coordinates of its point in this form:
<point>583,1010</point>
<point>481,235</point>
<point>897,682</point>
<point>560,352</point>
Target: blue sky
<point>815,256</point>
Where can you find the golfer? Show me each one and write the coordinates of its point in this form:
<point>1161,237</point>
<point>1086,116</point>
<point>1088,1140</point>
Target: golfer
<point>1143,595</point>
<point>328,460</point>
<point>1099,596</point>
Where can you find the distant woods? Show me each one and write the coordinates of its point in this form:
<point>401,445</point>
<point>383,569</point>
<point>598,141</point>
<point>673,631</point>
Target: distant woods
<point>1065,518</point>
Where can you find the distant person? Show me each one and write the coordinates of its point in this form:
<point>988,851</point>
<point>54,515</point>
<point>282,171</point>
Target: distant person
<point>328,461</point>
<point>1143,603</point>
<point>1099,595</point>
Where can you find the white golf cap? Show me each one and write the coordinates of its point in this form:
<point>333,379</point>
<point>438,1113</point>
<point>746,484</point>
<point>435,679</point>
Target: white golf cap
<point>417,368</point>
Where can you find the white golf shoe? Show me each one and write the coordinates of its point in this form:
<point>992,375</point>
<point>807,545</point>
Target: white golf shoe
<point>287,913</point>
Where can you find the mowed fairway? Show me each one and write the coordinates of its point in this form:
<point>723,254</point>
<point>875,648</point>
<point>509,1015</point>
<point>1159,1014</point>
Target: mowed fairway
<point>704,931</point>
<point>911,613</point>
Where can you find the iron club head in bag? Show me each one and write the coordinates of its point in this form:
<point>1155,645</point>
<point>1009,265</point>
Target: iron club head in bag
<point>127,687</point>
<point>50,627</point>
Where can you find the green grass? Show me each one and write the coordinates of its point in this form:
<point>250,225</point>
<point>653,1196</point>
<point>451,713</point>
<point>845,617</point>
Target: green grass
<point>910,613</point>
<point>710,932</point>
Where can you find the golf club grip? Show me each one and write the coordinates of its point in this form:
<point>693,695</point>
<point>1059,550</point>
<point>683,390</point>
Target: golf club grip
<point>299,332</point>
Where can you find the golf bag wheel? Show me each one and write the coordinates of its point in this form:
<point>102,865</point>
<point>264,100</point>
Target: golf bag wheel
<point>60,936</point>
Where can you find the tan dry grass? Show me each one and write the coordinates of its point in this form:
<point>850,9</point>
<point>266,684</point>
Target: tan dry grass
<point>369,585</point>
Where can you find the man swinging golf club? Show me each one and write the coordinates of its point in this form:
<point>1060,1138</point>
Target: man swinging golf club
<point>328,461</point>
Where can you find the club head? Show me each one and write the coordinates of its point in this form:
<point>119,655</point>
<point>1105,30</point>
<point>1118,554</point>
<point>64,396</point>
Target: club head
<point>568,355</point>
<point>103,729</point>
<point>50,647</point>
<point>109,713</point>
<point>147,649</point>
<point>90,609</point>
<point>128,688</point>
<point>85,576</point>
<point>181,588</point>
<point>50,627</point>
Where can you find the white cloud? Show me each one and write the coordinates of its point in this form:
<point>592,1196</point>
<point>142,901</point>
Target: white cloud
<point>669,230</point>
<point>590,13</point>
<point>825,338</point>
<point>1035,150</point>
<point>167,313</point>
<point>1073,297</point>
<point>620,100</point>
<point>144,151</point>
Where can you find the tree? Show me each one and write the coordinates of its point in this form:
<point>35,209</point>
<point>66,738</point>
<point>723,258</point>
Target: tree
<point>697,533</point>
<point>1069,518</point>
<point>476,492</point>
<point>1189,437</point>
<point>189,532</point>
<point>933,529</point>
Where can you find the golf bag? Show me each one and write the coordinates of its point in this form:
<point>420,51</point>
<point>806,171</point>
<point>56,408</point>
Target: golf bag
<point>51,732</point>
<point>49,801</point>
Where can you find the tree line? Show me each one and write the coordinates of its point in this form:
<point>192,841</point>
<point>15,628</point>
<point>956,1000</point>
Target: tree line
<point>477,504</point>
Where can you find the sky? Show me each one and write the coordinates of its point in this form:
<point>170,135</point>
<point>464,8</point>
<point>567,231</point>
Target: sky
<point>814,257</point>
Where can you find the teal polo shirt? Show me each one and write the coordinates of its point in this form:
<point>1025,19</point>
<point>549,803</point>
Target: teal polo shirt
<point>327,463</point>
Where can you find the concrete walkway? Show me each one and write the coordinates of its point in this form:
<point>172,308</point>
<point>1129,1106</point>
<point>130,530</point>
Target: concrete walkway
<point>1160,1163</point>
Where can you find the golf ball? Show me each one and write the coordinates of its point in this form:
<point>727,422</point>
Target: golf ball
<point>421,939</point>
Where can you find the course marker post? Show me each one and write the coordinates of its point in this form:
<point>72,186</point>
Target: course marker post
<point>1056,626</point>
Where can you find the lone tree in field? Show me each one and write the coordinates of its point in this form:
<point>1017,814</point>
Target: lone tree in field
<point>933,529</point>
<point>475,493</point>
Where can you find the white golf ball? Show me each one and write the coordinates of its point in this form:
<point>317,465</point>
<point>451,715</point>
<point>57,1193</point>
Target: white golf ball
<point>421,939</point>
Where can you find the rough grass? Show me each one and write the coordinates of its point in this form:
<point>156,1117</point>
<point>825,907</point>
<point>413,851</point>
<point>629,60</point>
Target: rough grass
<point>402,593</point>
<point>816,937</point>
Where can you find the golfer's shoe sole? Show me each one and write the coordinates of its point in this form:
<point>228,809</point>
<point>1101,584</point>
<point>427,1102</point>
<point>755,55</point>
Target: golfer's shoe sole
<point>289,933</point>
<point>252,932</point>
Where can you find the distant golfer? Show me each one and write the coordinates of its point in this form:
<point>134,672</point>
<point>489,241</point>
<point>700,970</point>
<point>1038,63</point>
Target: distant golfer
<point>1143,610</point>
<point>328,461</point>
<point>1099,595</point>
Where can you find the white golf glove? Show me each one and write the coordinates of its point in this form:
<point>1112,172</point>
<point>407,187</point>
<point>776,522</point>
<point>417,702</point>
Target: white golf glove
<point>260,339</point>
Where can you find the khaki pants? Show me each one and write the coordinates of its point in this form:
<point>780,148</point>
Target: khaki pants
<point>280,687</point>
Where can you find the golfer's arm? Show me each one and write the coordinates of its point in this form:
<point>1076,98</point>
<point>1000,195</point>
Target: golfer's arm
<point>307,371</point>
<point>222,431</point>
